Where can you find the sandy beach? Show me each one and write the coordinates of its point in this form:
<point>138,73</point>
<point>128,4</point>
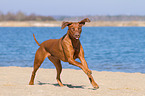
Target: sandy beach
<point>14,82</point>
<point>58,23</point>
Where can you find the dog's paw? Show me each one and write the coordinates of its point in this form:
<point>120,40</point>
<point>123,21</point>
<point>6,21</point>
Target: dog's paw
<point>60,83</point>
<point>31,83</point>
<point>95,85</point>
<point>89,72</point>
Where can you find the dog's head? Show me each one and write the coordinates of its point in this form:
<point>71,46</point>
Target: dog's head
<point>74,28</point>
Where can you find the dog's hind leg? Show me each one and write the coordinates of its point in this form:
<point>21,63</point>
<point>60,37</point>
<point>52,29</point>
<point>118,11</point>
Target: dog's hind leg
<point>39,58</point>
<point>58,66</point>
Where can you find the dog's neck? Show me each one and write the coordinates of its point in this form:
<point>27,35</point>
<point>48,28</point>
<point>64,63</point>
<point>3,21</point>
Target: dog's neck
<point>75,42</point>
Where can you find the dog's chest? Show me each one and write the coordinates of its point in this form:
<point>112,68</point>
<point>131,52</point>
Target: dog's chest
<point>71,45</point>
<point>76,50</point>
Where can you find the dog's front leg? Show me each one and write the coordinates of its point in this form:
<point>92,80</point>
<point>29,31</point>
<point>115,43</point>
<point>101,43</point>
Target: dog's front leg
<point>84,63</point>
<point>88,72</point>
<point>69,55</point>
<point>75,63</point>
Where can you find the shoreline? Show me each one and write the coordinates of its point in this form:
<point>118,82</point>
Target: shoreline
<point>58,24</point>
<point>14,82</point>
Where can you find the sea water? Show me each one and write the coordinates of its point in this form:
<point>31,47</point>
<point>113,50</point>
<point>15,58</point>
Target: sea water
<point>116,49</point>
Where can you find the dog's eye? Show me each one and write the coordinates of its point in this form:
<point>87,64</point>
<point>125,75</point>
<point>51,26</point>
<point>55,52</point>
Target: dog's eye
<point>73,28</point>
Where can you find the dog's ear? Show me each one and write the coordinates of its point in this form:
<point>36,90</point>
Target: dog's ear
<point>84,20</point>
<point>64,24</point>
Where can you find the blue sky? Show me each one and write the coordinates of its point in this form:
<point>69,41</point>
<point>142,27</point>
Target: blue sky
<point>74,7</point>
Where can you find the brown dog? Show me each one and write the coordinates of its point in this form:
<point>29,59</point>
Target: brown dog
<point>67,49</point>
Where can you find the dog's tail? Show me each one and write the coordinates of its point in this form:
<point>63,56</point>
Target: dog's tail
<point>36,40</point>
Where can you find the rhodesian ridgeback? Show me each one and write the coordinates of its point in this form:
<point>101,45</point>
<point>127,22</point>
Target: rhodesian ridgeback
<point>67,49</point>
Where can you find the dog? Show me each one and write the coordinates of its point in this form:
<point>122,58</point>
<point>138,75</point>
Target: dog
<point>67,49</point>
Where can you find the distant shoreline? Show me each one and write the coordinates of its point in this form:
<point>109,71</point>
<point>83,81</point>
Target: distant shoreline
<point>58,23</point>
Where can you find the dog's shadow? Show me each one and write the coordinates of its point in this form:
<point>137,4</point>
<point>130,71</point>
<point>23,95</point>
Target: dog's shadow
<point>68,85</point>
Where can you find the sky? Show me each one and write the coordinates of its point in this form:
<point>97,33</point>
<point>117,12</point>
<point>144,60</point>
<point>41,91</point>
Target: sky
<point>74,7</point>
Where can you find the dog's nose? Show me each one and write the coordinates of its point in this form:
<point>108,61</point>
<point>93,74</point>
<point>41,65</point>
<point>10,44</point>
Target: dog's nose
<point>77,34</point>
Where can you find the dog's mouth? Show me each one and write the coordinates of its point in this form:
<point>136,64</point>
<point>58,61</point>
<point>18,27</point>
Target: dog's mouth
<point>76,37</point>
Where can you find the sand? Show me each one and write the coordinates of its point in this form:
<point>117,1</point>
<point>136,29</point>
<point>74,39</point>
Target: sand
<point>14,82</point>
<point>58,23</point>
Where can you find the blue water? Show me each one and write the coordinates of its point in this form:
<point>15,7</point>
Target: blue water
<point>117,49</point>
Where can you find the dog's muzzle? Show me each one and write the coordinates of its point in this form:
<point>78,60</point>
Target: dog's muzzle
<point>76,35</point>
